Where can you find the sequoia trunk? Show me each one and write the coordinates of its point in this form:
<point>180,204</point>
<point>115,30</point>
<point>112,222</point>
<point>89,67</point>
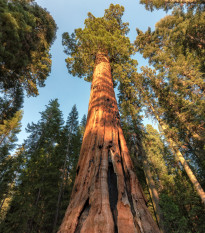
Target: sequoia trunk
<point>106,196</point>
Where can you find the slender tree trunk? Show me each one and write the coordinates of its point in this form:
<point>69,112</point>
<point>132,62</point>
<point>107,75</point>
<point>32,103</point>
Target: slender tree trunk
<point>61,186</point>
<point>154,193</point>
<point>5,135</point>
<point>189,172</point>
<point>106,196</point>
<point>30,222</point>
<point>180,157</point>
<point>2,203</point>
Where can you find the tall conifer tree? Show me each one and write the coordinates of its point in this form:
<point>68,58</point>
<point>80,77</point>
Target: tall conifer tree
<point>35,195</point>
<point>10,124</point>
<point>69,148</point>
<point>178,201</point>
<point>106,196</point>
<point>27,32</point>
<point>176,86</point>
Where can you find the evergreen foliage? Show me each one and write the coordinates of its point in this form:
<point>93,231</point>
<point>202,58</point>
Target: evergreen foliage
<point>47,169</point>
<point>180,205</point>
<point>83,124</point>
<point>170,179</point>
<point>27,31</point>
<point>104,34</point>
<point>8,164</point>
<point>176,84</point>
<point>176,50</point>
<point>169,4</point>
<point>10,117</point>
<point>179,202</point>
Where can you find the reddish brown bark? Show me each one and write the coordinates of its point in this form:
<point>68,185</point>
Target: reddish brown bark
<point>106,197</point>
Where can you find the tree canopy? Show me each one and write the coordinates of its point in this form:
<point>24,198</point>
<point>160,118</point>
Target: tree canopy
<point>101,34</point>
<point>26,31</point>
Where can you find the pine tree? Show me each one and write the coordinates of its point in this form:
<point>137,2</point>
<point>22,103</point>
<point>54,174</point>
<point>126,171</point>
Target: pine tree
<point>138,93</point>
<point>106,196</point>
<point>9,171</point>
<point>83,125</point>
<point>154,108</point>
<point>155,169</point>
<point>177,220</point>
<point>176,85</point>
<point>69,147</point>
<point>160,177</point>
<point>178,56</point>
<point>43,173</point>
<point>178,201</point>
<point>35,193</point>
<point>168,183</point>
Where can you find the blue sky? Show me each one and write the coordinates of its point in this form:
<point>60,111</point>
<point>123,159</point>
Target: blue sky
<point>70,14</point>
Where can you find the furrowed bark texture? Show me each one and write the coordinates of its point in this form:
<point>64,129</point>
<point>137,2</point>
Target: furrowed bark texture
<point>106,196</point>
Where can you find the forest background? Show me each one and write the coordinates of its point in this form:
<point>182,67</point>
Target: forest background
<point>53,140</point>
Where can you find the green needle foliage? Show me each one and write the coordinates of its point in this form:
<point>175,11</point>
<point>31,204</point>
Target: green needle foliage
<point>35,194</point>
<point>156,152</point>
<point>73,144</point>
<point>69,150</point>
<point>106,34</point>
<point>169,4</point>
<point>26,32</point>
<point>10,116</point>
<point>8,164</point>
<point>38,191</point>
<point>176,50</point>
<point>83,124</point>
<point>174,87</point>
<point>181,207</point>
<point>9,129</point>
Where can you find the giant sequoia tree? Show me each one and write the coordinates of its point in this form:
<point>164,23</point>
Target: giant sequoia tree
<point>106,196</point>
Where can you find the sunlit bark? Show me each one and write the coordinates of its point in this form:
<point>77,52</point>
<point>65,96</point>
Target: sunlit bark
<point>106,197</point>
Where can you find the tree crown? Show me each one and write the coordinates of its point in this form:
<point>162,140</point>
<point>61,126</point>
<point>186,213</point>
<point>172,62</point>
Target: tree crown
<point>27,32</point>
<point>103,34</point>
